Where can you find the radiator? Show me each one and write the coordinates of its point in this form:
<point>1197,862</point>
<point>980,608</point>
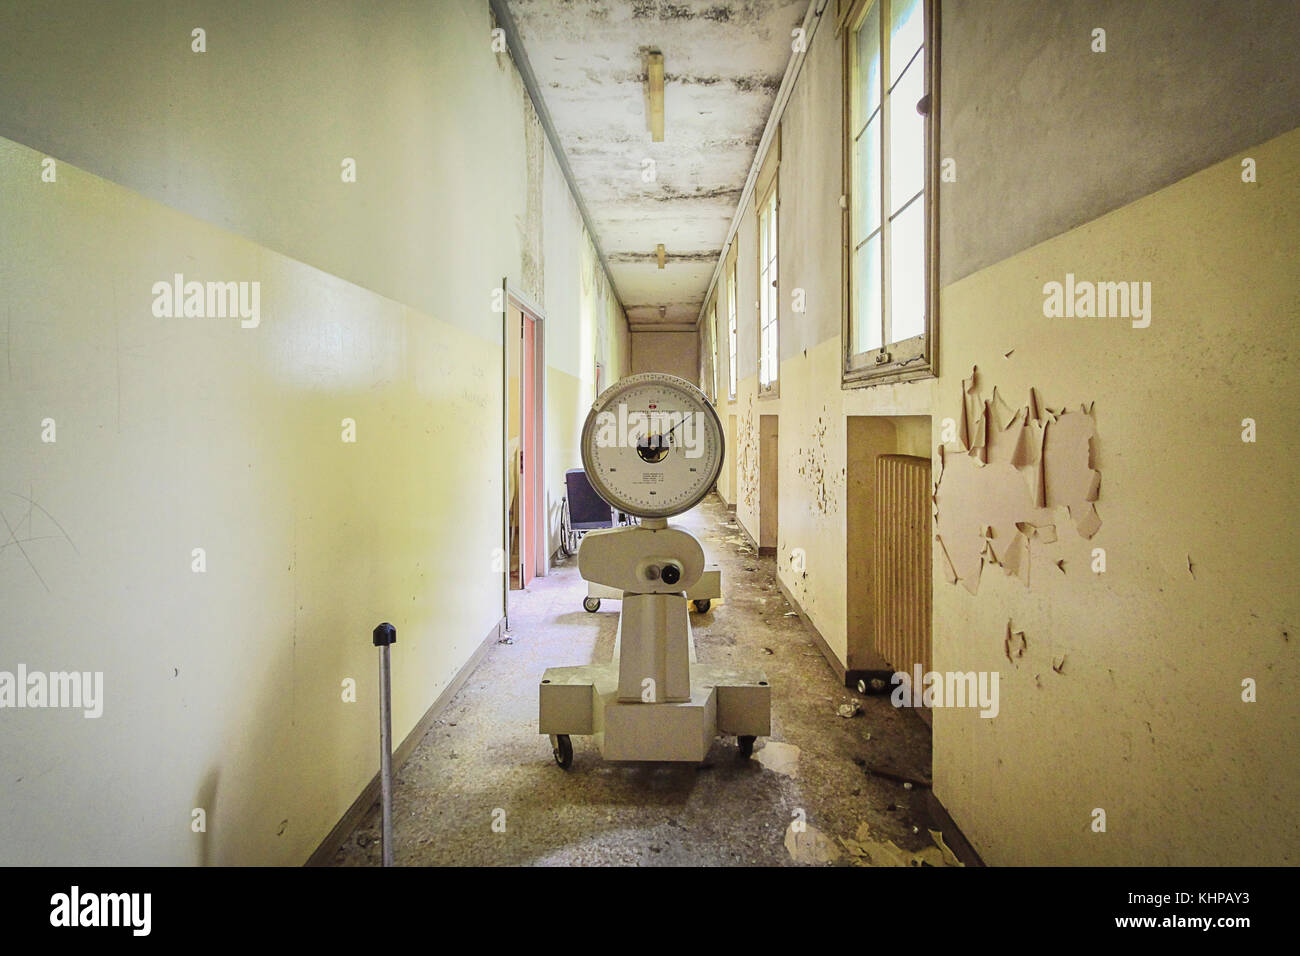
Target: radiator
<point>903,560</point>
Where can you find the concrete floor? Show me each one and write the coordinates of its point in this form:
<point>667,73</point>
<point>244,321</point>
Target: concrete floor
<point>484,755</point>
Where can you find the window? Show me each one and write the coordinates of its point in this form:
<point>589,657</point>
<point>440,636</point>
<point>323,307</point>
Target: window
<point>889,179</point>
<point>769,365</point>
<point>712,377</point>
<point>731,327</point>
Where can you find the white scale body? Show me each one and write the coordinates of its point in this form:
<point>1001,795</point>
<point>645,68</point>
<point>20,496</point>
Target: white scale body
<point>652,446</point>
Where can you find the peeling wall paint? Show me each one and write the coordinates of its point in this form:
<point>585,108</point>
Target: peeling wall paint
<point>1003,483</point>
<point>747,465</point>
<point>1133,638</point>
<point>813,463</point>
<point>1134,662</point>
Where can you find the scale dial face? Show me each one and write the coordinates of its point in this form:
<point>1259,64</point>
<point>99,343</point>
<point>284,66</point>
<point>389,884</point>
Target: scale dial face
<point>652,445</point>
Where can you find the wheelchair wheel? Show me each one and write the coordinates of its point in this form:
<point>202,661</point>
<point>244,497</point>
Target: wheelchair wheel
<point>567,546</point>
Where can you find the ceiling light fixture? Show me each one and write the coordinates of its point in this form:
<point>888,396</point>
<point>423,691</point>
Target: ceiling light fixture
<point>655,82</point>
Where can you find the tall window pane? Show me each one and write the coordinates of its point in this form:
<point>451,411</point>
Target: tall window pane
<point>731,330</point>
<point>906,137</point>
<point>866,279</point>
<point>767,292</point>
<point>906,34</point>
<point>866,168</point>
<point>888,202</point>
<point>907,273</point>
<point>867,67</point>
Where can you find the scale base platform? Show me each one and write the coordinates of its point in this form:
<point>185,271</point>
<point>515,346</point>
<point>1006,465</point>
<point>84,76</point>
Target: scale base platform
<point>583,701</point>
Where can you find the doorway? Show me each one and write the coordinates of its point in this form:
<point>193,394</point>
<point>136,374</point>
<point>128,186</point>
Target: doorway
<point>888,536</point>
<point>732,453</point>
<point>769,465</point>
<point>524,389</point>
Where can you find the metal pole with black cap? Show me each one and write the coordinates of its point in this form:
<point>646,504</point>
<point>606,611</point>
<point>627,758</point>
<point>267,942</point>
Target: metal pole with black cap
<point>386,635</point>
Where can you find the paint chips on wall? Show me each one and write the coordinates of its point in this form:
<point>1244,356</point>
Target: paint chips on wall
<point>1002,488</point>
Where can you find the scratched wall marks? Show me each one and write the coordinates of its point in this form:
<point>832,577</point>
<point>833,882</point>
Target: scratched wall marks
<point>1003,487</point>
<point>26,527</point>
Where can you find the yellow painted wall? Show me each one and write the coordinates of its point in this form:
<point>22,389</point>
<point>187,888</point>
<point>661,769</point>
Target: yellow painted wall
<point>224,688</point>
<point>677,353</point>
<point>1146,720</point>
<point>1147,714</point>
<point>813,470</point>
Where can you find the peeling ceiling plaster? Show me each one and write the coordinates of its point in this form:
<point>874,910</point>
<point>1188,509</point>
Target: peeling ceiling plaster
<point>723,63</point>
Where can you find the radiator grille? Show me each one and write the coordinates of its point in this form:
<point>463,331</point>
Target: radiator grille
<point>903,560</point>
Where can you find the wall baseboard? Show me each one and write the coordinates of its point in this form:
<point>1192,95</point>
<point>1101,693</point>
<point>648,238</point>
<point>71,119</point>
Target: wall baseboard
<point>324,853</point>
<point>952,835</point>
<point>825,648</point>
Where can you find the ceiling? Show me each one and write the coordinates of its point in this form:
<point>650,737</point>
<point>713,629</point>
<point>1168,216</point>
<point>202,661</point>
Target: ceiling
<point>723,64</point>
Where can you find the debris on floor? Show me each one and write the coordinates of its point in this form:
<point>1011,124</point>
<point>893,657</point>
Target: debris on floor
<point>850,708</point>
<point>778,757</point>
<point>807,844</point>
<point>610,814</point>
<point>866,850</point>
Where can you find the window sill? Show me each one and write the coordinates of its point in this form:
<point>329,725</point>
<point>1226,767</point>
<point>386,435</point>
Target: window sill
<point>886,374</point>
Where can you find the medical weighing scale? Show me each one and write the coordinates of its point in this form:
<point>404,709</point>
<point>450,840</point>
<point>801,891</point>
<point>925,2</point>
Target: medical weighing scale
<point>652,446</point>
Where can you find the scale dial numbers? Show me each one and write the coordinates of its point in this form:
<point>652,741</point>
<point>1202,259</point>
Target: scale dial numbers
<point>652,445</point>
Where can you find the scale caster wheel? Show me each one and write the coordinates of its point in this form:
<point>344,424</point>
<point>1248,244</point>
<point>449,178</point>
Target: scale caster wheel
<point>562,749</point>
<point>591,605</point>
<point>746,746</point>
<point>703,605</point>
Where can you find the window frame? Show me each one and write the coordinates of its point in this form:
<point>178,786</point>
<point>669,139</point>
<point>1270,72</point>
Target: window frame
<point>915,357</point>
<point>771,198</point>
<point>733,328</point>
<point>713,351</point>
